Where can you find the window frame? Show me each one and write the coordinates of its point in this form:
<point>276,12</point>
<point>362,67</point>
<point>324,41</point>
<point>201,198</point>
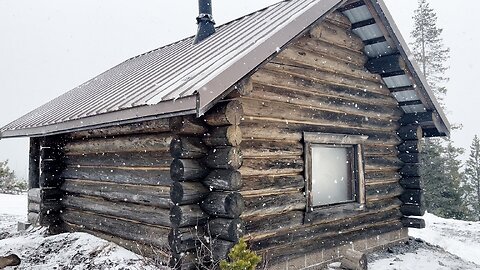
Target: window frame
<point>355,142</point>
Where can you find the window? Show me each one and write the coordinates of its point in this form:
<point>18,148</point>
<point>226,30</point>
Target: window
<point>333,169</point>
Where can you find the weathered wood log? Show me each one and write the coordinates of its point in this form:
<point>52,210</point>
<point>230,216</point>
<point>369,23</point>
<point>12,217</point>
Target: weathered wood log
<point>409,157</point>
<point>413,209</point>
<point>381,192</point>
<point>187,125</point>
<point>261,182</point>
<point>187,170</point>
<point>333,34</point>
<point>258,224</point>
<point>242,88</point>
<point>34,195</point>
<point>412,196</point>
<point>225,113</point>
<point>226,229</point>
<point>48,194</point>
<point>229,180</point>
<point>410,132</point>
<point>379,150</point>
<point>33,218</point>
<point>267,204</point>
<point>229,158</point>
<point>420,118</point>
<point>220,249</point>
<point>185,239</point>
<point>416,223</point>
<point>33,207</point>
<point>10,260</point>
<point>34,164</point>
<point>137,213</point>
<point>187,216</point>
<point>187,147</point>
<point>154,126</point>
<point>223,204</point>
<point>183,193</point>
<point>121,159</point>
<point>410,147</point>
<point>377,163</point>
<point>265,166</point>
<point>410,170</point>
<point>51,152</point>
<point>224,136</point>
<point>144,234</point>
<point>354,260</point>
<point>147,195</point>
<point>411,182</point>
<point>121,175</point>
<point>270,148</point>
<point>386,64</point>
<point>337,18</point>
<point>134,143</point>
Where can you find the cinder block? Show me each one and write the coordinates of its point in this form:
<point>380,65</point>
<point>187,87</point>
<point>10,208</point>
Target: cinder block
<point>22,226</point>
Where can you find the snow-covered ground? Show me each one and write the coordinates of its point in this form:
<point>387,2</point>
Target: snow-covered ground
<point>446,244</point>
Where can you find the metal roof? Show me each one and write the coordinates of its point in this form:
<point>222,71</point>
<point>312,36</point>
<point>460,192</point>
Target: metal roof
<point>183,78</point>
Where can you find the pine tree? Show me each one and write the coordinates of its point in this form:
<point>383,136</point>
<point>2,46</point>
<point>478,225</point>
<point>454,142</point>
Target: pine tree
<point>472,179</point>
<point>7,177</point>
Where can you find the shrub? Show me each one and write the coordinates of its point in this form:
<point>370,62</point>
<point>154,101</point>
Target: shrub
<point>241,258</point>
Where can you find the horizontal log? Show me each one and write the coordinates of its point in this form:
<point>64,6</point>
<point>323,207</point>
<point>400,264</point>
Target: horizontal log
<point>354,260</point>
<point>410,132</point>
<point>223,204</point>
<point>410,147</point>
<point>229,180</point>
<point>183,193</point>
<point>187,147</point>
<point>425,118</point>
<point>33,207</point>
<point>380,192</point>
<point>225,113</point>
<point>265,224</point>
<point>133,212</point>
<point>241,88</point>
<point>224,136</point>
<point>148,195</point>
<point>409,157</point>
<point>381,175</point>
<point>185,239</point>
<point>33,218</point>
<point>134,143</point>
<point>141,176</point>
<point>187,216</point>
<point>379,150</point>
<point>154,126</point>
<point>144,234</point>
<point>50,194</point>
<point>270,148</point>
<point>226,229</point>
<point>333,34</point>
<point>187,125</point>
<point>274,204</point>
<point>220,249</point>
<point>51,152</point>
<point>280,182</point>
<point>337,18</point>
<point>410,170</point>
<point>145,159</point>
<point>187,170</point>
<point>413,209</point>
<point>229,158</point>
<point>382,164</point>
<point>386,64</point>
<point>412,196</point>
<point>266,166</point>
<point>34,195</point>
<point>412,183</point>
<point>416,223</point>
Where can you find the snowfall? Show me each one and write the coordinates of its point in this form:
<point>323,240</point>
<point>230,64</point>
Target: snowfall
<point>444,244</point>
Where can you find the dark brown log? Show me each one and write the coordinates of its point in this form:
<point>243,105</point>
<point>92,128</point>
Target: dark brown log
<point>412,196</point>
<point>333,34</point>
<point>140,176</point>
<point>380,192</point>
<point>271,204</point>
<point>187,125</point>
<point>50,194</point>
<point>425,118</point>
<point>354,260</point>
<point>337,18</point>
<point>224,136</point>
<point>225,113</point>
<point>409,157</point>
<point>133,212</point>
<point>416,223</point>
<point>242,88</point>
<point>223,204</point>
<point>187,170</point>
<point>34,163</point>
<point>379,150</point>
<point>122,159</point>
<point>187,147</point>
<point>262,182</point>
<point>148,195</point>
<point>410,132</point>
<point>410,170</point>
<point>229,180</point>
<point>185,239</point>
<point>220,249</point>
<point>226,229</point>
<point>154,126</point>
<point>265,166</point>
<point>270,148</point>
<point>413,209</point>
<point>134,143</point>
<point>382,163</point>
<point>412,182</point>
<point>187,216</point>
<point>229,158</point>
<point>410,147</point>
<point>34,195</point>
<point>258,224</point>
<point>183,193</point>
<point>386,64</point>
<point>144,234</point>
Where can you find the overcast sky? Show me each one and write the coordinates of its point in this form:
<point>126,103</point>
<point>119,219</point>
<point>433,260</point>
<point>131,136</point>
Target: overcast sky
<point>48,47</point>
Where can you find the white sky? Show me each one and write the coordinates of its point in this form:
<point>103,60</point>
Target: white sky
<point>48,47</point>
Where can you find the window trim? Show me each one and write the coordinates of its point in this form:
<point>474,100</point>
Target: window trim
<point>338,140</point>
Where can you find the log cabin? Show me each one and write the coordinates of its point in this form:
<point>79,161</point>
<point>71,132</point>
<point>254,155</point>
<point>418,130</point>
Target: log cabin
<point>296,127</point>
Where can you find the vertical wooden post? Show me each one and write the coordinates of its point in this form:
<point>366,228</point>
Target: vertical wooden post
<point>34,164</point>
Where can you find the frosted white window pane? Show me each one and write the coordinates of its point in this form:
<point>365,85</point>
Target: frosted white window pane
<point>331,175</point>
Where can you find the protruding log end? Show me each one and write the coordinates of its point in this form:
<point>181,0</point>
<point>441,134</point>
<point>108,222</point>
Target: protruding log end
<point>183,193</point>
<point>187,125</point>
<point>229,180</point>
<point>182,147</point>
<point>187,216</point>
<point>229,158</point>
<point>224,114</point>
<point>224,204</point>
<point>187,169</point>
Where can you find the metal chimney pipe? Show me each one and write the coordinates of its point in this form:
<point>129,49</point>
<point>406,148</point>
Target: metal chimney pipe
<point>204,20</point>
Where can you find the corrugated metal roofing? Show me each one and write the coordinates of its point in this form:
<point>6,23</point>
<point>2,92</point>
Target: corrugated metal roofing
<point>183,78</point>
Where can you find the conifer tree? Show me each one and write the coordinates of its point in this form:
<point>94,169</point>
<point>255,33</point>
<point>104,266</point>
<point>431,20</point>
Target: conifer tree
<point>472,179</point>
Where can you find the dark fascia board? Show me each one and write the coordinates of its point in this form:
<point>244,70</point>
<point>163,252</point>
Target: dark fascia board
<point>182,106</point>
<point>423,87</point>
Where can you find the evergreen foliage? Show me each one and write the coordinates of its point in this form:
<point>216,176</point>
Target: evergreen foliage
<point>241,258</point>
<point>472,180</point>
<point>8,182</point>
